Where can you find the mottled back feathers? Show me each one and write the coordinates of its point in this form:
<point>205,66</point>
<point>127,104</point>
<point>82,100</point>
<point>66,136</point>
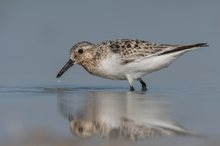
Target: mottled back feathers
<point>132,49</point>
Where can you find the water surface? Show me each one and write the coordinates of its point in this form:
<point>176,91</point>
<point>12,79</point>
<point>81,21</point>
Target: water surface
<point>97,116</point>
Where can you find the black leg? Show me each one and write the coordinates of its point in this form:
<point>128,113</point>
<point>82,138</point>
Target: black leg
<point>131,88</point>
<point>144,86</point>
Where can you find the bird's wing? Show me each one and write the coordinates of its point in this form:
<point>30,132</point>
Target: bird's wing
<point>131,50</point>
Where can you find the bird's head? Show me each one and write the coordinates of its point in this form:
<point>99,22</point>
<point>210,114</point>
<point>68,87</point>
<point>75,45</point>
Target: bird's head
<point>82,128</point>
<point>82,51</point>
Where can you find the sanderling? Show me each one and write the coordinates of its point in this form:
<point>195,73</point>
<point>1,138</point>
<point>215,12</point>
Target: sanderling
<point>125,59</point>
<point>124,129</point>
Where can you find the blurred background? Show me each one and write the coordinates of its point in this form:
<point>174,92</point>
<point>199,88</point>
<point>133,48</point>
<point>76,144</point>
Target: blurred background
<point>35,38</point>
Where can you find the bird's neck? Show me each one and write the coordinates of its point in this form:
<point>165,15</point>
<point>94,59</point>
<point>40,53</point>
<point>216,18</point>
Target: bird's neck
<point>90,65</point>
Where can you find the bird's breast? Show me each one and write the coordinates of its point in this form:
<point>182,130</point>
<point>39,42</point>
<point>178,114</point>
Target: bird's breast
<point>111,68</point>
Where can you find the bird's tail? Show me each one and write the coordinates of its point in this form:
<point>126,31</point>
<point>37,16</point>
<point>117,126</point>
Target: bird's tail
<point>184,47</point>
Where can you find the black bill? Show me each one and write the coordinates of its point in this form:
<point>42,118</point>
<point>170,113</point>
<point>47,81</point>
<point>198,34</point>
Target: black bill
<point>65,68</point>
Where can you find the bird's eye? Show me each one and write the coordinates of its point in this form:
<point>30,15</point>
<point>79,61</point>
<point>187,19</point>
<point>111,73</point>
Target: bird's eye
<point>80,51</point>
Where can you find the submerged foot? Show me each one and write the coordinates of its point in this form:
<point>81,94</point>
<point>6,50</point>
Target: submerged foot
<point>143,84</point>
<point>131,88</point>
<point>144,88</point>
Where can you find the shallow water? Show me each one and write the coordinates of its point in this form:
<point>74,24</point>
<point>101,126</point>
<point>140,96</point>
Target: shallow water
<point>97,116</point>
<point>37,110</point>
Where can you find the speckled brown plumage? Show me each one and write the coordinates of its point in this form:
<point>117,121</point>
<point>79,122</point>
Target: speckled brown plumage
<point>131,49</point>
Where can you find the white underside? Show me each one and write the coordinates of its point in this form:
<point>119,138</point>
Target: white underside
<point>111,67</point>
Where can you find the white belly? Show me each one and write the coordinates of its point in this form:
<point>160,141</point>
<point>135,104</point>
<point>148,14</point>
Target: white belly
<point>112,68</point>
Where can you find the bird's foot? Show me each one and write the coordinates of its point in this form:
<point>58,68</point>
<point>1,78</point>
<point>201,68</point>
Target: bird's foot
<point>131,88</point>
<point>144,88</point>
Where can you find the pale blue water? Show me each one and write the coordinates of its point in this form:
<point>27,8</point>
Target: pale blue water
<point>35,37</point>
<point>28,112</point>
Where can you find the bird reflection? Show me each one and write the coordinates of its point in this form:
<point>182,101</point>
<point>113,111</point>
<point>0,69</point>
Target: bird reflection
<point>122,115</point>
